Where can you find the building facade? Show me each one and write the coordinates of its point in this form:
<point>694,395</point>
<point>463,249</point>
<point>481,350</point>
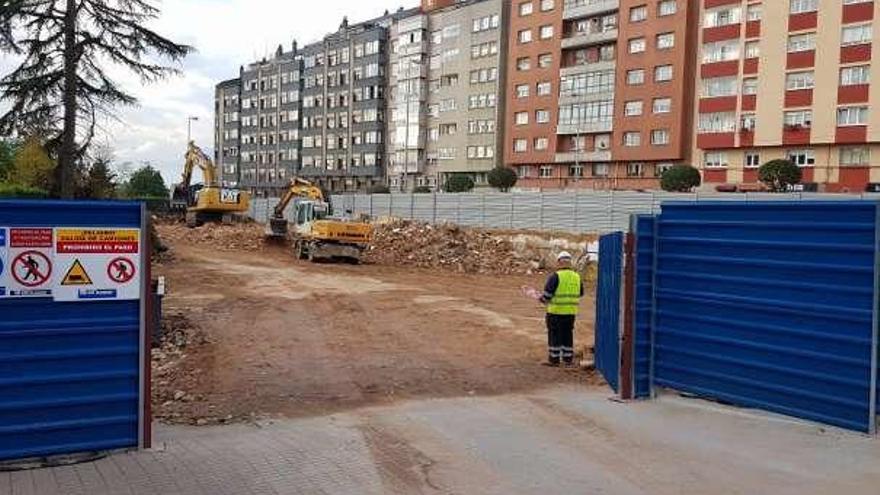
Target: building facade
<point>227,131</point>
<point>788,80</point>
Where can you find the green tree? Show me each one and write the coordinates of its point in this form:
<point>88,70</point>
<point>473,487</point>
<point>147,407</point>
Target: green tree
<point>100,181</point>
<point>779,175</point>
<point>502,178</point>
<point>32,166</point>
<point>459,183</point>
<point>146,182</point>
<point>680,178</point>
<point>8,148</point>
<point>62,83</point>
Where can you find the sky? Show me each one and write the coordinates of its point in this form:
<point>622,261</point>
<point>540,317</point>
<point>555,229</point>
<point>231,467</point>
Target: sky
<point>226,34</point>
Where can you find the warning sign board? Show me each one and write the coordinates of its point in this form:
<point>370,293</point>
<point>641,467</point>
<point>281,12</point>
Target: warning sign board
<point>3,262</point>
<point>30,262</point>
<point>97,264</point>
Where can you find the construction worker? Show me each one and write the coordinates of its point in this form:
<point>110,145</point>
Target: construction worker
<point>562,295</point>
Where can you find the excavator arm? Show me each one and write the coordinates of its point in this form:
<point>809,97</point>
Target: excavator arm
<point>299,188</point>
<point>194,158</point>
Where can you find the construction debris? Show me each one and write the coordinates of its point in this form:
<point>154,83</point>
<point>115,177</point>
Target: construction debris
<point>466,250</point>
<point>247,236</point>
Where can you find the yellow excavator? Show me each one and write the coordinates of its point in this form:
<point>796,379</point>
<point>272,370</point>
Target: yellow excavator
<point>317,234</point>
<point>208,202</point>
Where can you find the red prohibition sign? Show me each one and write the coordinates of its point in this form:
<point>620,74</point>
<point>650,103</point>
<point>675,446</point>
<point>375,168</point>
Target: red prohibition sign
<point>121,270</point>
<point>37,268</point>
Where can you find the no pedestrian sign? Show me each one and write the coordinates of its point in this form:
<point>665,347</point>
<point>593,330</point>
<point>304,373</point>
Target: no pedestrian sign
<point>28,263</point>
<point>97,264</point>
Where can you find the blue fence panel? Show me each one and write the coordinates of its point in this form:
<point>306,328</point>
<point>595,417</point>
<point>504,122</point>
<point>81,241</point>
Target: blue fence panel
<point>608,294</point>
<point>69,372</point>
<point>769,305</point>
<point>643,234</point>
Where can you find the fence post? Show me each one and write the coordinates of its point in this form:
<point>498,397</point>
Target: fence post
<point>613,209</point>
<point>576,215</point>
<point>483,220</point>
<point>412,206</point>
<point>458,208</point>
<point>372,214</point>
<point>541,212</point>
<point>434,212</point>
<point>512,208</point>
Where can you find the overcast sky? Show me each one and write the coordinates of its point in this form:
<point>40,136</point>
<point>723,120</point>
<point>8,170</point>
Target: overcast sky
<point>227,34</point>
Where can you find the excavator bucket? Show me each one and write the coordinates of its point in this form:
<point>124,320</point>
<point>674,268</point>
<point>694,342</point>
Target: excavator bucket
<point>277,228</point>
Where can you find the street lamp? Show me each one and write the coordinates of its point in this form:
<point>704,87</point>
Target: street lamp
<point>189,121</point>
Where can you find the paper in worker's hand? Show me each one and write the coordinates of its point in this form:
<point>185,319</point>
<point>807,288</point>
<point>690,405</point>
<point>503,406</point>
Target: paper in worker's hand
<point>530,292</point>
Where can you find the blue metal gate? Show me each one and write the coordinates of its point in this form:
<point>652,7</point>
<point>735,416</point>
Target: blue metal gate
<point>643,234</point>
<point>71,374</point>
<point>608,303</point>
<point>770,305</point>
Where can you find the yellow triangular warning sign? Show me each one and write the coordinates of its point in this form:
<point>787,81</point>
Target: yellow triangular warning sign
<point>76,275</point>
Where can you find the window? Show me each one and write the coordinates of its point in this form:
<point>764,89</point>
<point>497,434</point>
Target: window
<point>722,17</point>
<point>521,118</point>
<point>719,86</point>
<point>860,74</point>
<point>748,122</point>
<point>715,159</point>
<point>523,171</point>
<point>589,83</point>
<point>600,169</point>
<point>802,158</point>
<point>666,7</point>
<point>660,137</point>
<point>855,156</point>
<point>541,144</point>
<point>662,73</point>
<point>526,9</point>
<point>486,23</point>
<point>637,45</point>
<point>721,51</point>
<point>522,91</point>
<point>635,77</point>
<point>547,5</point>
<point>665,41</point>
<point>520,145</point>
<point>576,171</point>
<point>801,42</point>
<point>753,49</point>
<point>754,12</point>
<point>545,60</point>
<point>718,122</point>
<point>752,159</point>
<point>855,35</point>
<point>750,86</point>
<point>798,119</point>
<point>661,169</point>
<point>638,14</point>
<point>632,139</point>
<point>542,116</point>
<point>544,88</point>
<point>590,112</point>
<point>546,32</point>
<point>546,171</point>
<point>525,36</point>
<point>799,80</point>
<point>523,64</point>
<point>801,6</point>
<point>662,105</point>
<point>632,108</point>
<point>852,116</point>
<point>480,152</point>
<point>635,169</point>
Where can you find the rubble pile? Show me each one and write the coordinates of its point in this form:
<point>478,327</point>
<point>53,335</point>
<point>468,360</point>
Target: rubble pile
<point>234,237</point>
<point>467,250</point>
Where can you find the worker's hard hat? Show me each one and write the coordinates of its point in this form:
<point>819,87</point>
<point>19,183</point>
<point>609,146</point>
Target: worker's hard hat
<point>563,256</point>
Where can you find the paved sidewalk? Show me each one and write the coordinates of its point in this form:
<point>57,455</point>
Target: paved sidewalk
<point>563,440</point>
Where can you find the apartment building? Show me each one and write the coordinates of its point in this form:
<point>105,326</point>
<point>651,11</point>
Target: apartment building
<point>269,148</point>
<point>227,131</point>
<point>532,93</point>
<point>466,73</point>
<point>788,79</point>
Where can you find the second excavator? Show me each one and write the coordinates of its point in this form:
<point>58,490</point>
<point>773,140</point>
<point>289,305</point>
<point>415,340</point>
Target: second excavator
<point>318,233</point>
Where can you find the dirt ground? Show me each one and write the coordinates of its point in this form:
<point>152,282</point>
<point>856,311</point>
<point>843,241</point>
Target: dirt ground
<point>281,337</point>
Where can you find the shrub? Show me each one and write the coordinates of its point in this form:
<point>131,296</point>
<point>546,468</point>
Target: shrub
<point>680,178</point>
<point>422,190</point>
<point>502,178</point>
<point>17,191</point>
<point>459,183</point>
<point>779,175</point>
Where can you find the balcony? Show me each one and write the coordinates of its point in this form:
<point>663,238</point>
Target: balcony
<point>570,98</point>
<point>583,156</point>
<point>585,127</point>
<point>588,38</point>
<point>575,9</point>
<point>584,68</point>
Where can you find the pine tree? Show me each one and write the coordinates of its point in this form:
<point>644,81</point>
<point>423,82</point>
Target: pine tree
<point>62,85</point>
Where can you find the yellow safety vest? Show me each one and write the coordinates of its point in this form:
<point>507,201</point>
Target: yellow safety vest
<point>567,299</point>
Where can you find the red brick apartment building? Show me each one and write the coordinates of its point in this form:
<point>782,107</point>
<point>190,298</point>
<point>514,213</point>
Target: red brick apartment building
<point>788,79</point>
<point>621,91</point>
